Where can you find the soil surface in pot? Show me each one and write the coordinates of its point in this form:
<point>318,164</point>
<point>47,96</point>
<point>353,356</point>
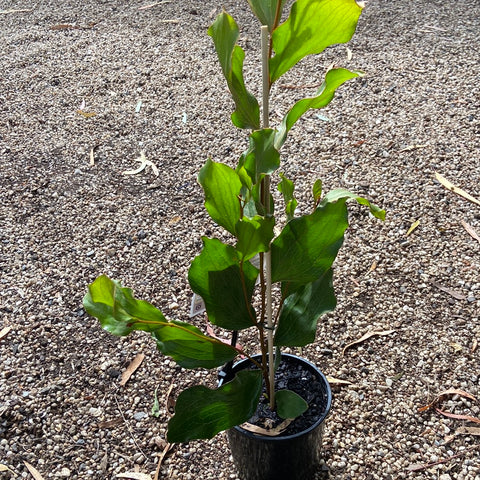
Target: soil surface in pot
<point>295,376</point>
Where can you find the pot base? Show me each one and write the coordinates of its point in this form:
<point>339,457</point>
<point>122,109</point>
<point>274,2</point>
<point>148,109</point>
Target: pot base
<point>288,456</point>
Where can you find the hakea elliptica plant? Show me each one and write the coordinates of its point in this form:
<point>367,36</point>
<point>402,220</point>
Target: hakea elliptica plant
<point>299,259</point>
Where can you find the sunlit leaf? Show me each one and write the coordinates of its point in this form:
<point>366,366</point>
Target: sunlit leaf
<point>311,26</point>
<point>222,186</point>
<point>254,235</point>
<point>120,313</point>
<point>224,32</point>
<point>333,79</point>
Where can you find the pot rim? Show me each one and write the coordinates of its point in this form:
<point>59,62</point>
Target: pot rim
<point>320,420</point>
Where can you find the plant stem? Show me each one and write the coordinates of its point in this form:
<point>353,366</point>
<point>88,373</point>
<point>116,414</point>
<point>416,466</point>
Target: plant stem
<point>265,42</point>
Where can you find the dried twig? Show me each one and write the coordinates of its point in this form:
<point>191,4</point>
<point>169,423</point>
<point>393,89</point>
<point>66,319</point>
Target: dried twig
<point>417,468</point>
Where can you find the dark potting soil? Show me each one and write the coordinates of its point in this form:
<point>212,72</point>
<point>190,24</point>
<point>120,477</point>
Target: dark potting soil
<point>295,376</point>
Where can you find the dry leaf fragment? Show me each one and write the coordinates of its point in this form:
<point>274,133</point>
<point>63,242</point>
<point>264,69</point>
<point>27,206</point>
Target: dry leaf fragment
<point>174,220</point>
<point>457,416</point>
<point>109,423</point>
<point>337,381</point>
<point>470,230</point>
<point>451,292</point>
<point>413,227</point>
<point>474,345</point>
<point>33,471</point>
<point>134,476</point>
<point>92,157</point>
<point>4,332</point>
<point>475,431</point>
<point>170,401</point>
<point>366,337</point>
<point>151,5</point>
<point>143,164</point>
<point>86,114</point>
<point>269,432</point>
<point>131,368</point>
<point>448,185</point>
<point>441,396</point>
<point>4,468</point>
<point>161,457</point>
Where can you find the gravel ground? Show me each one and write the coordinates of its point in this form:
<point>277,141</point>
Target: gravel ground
<point>64,221</point>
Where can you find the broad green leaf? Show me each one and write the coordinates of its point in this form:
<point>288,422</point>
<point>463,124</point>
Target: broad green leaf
<point>290,404</point>
<point>224,32</point>
<point>312,26</point>
<point>308,245</point>
<point>222,187</point>
<point>190,348</point>
<point>254,236</point>
<point>297,325</point>
<point>286,188</point>
<point>317,191</point>
<point>262,158</point>
<point>265,11</point>
<point>120,313</point>
<point>333,79</point>
<point>341,193</point>
<point>225,283</point>
<point>201,412</point>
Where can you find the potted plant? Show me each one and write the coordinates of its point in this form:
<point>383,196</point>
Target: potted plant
<point>274,284</point>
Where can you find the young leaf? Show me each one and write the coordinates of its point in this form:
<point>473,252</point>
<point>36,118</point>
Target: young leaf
<point>266,10</point>
<point>225,284</point>
<point>297,325</point>
<point>224,32</point>
<point>119,313</point>
<point>312,26</point>
<point>333,79</point>
<point>254,236</point>
<point>290,404</point>
<point>286,188</point>
<point>317,192</point>
<point>342,194</point>
<point>201,412</point>
<point>308,245</point>
<point>262,158</point>
<point>222,186</point>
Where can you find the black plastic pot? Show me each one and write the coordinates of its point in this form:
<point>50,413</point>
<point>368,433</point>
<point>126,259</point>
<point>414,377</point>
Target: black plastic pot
<point>291,457</point>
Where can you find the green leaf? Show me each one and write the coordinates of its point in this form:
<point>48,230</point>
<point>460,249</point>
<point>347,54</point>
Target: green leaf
<point>312,26</point>
<point>265,11</point>
<point>286,188</point>
<point>341,193</point>
<point>224,32</point>
<point>190,348</point>
<point>225,283</point>
<point>254,236</point>
<point>317,191</point>
<point>222,187</point>
<point>290,404</point>
<point>120,313</point>
<point>262,158</point>
<point>308,245</point>
<point>201,412</point>
<point>333,79</point>
<point>297,325</point>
